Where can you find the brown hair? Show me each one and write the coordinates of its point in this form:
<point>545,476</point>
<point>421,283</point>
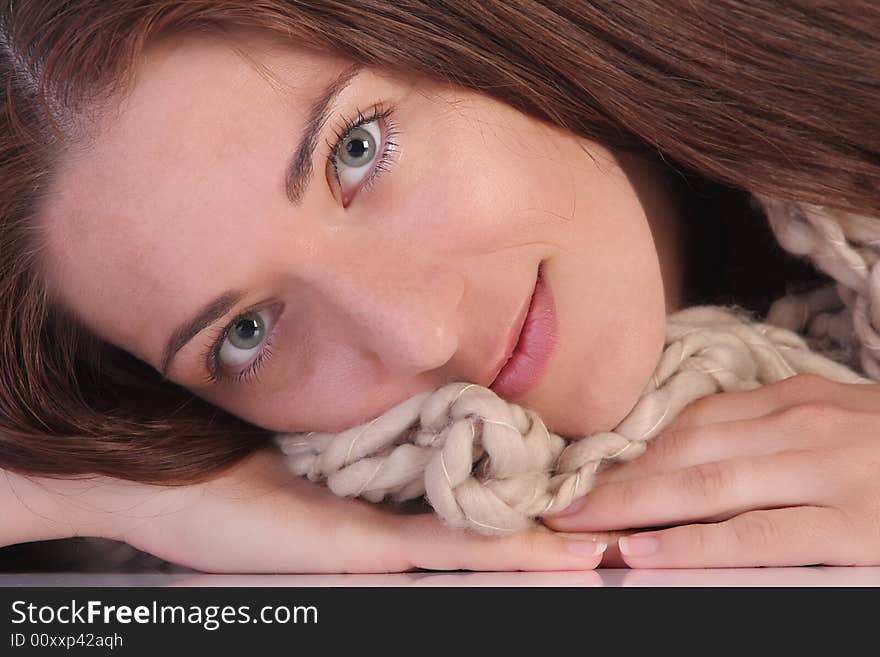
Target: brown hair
<point>778,98</point>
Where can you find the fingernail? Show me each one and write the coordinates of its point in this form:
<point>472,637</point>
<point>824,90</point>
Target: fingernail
<point>585,547</point>
<point>638,546</point>
<point>571,509</point>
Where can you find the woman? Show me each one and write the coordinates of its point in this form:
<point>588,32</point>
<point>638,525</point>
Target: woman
<point>229,219</point>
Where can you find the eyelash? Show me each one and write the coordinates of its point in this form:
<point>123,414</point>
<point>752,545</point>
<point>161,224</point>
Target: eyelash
<point>388,148</point>
<point>211,357</point>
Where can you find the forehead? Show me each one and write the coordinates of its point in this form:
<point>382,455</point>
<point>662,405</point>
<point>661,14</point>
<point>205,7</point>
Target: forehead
<point>162,200</point>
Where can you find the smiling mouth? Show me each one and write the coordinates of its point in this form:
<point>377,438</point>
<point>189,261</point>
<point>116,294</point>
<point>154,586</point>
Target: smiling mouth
<point>513,339</point>
<point>534,345</point>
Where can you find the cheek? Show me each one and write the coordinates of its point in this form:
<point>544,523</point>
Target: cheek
<point>459,202</point>
<point>465,183</point>
<point>611,309</point>
<point>612,327</point>
<point>625,358</point>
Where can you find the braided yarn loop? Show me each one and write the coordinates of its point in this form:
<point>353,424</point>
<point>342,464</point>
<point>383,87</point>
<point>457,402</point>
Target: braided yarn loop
<point>494,467</point>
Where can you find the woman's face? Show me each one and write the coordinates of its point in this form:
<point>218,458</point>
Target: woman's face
<point>407,272</point>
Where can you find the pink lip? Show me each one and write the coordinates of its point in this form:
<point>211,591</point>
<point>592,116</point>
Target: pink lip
<point>530,347</point>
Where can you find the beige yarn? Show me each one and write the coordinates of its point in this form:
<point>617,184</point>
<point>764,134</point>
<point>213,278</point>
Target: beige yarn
<point>494,467</point>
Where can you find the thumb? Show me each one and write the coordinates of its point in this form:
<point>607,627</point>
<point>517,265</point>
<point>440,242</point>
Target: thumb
<point>428,543</point>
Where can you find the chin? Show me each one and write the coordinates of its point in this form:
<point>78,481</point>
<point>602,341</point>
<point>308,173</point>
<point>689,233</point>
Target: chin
<point>591,410</point>
<point>580,405</point>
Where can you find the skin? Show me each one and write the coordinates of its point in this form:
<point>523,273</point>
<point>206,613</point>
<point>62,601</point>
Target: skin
<point>180,197</point>
<point>156,215</point>
<point>784,475</point>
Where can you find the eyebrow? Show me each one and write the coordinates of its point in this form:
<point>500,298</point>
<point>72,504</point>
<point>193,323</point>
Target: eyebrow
<point>297,178</point>
<point>299,171</point>
<point>210,313</point>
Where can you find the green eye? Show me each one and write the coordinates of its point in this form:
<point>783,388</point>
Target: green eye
<point>358,148</point>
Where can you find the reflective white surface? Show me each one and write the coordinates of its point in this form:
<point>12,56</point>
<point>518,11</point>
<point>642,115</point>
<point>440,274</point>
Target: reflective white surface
<point>726,577</point>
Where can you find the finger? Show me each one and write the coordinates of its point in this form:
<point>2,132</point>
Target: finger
<point>748,404</point>
<point>393,542</point>
<point>429,543</point>
<point>777,432</point>
<point>707,491</point>
<point>612,557</point>
<point>797,536</point>
<point>288,524</point>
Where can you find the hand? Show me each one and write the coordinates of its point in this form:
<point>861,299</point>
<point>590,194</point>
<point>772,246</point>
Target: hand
<point>783,475</point>
<point>259,518</point>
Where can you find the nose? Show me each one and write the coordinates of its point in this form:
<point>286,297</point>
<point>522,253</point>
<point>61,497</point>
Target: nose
<point>403,312</point>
